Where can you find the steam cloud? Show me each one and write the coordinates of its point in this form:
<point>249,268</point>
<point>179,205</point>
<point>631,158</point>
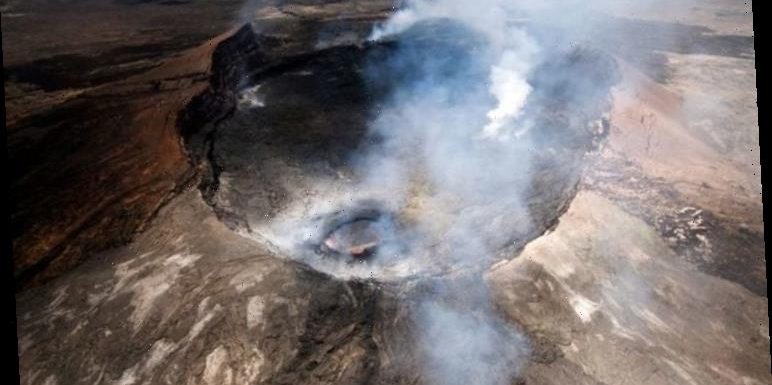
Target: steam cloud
<point>514,50</point>
<point>453,156</point>
<point>461,348</point>
<point>473,150</point>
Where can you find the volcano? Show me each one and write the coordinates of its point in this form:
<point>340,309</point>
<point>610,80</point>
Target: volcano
<point>301,192</point>
<point>266,153</point>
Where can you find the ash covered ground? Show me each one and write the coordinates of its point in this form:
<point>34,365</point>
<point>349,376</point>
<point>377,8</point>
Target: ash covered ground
<point>217,192</point>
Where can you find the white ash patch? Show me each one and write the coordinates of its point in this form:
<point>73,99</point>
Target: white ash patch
<point>147,290</point>
<point>292,306</point>
<point>127,270</point>
<point>203,306</point>
<point>128,377</point>
<point>205,315</point>
<point>583,307</point>
<point>77,328</point>
<point>252,368</point>
<point>681,372</point>
<point>248,278</point>
<point>157,353</point>
<point>199,325</point>
<point>255,309</point>
<point>51,380</point>
<point>56,308</point>
<point>653,321</point>
<point>31,376</point>
<point>639,256</point>
<point>96,298</point>
<point>628,333</point>
<point>60,294</point>
<point>217,372</point>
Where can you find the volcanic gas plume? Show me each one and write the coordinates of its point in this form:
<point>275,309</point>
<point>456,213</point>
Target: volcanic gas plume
<point>456,136</point>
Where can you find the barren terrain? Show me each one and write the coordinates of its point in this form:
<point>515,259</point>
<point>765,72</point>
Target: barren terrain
<point>154,145</point>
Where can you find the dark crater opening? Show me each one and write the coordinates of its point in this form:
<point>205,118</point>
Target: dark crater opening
<point>273,127</point>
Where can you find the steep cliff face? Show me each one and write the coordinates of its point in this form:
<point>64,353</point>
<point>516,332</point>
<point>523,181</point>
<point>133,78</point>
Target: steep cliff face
<point>93,136</point>
<point>90,173</point>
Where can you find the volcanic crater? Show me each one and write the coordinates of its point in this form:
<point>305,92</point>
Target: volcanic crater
<point>279,131</point>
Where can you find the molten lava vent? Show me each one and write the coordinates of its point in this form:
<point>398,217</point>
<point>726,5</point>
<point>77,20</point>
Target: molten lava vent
<point>359,239</point>
<point>359,236</point>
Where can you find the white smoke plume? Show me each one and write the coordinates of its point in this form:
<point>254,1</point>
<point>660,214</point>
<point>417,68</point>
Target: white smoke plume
<point>515,51</point>
<point>462,348</point>
<point>471,152</point>
<point>454,156</point>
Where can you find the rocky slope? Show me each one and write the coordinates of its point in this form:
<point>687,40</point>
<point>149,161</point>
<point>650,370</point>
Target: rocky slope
<point>93,145</point>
